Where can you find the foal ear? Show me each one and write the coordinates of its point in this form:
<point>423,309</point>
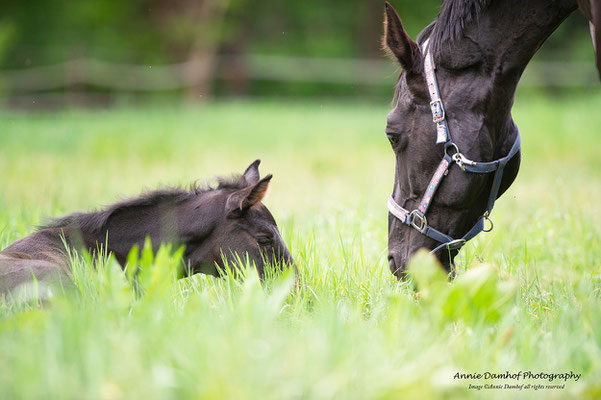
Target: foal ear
<point>240,201</point>
<point>252,173</point>
<point>397,42</point>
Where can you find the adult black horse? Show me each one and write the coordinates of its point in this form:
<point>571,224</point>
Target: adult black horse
<point>462,73</point>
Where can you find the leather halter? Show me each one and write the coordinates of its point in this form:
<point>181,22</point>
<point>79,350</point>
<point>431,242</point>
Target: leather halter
<point>417,218</point>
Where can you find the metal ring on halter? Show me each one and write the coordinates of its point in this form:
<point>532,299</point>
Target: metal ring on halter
<point>455,244</point>
<point>452,245</point>
<point>451,144</point>
<point>487,218</point>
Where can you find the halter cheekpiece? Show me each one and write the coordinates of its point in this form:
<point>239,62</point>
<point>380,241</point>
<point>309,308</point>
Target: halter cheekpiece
<point>417,218</point>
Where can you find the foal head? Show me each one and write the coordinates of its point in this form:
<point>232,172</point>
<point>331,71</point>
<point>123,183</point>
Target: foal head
<point>234,226</point>
<point>479,119</point>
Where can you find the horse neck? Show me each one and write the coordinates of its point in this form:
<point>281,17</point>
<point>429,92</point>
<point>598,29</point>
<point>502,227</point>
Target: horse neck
<point>130,227</point>
<point>509,33</point>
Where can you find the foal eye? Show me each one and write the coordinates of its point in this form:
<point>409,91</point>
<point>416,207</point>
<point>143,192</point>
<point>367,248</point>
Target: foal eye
<point>265,241</point>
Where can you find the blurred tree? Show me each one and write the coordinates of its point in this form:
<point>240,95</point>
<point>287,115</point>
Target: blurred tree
<point>141,31</point>
<point>38,32</point>
<point>47,33</point>
<point>192,30</point>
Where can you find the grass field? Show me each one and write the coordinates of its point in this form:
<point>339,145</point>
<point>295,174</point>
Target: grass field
<point>528,295</point>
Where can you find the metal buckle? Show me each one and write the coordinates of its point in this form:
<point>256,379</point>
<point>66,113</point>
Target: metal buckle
<point>486,217</point>
<point>438,114</point>
<point>417,215</point>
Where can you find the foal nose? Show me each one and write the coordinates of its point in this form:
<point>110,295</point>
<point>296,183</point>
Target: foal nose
<point>285,256</point>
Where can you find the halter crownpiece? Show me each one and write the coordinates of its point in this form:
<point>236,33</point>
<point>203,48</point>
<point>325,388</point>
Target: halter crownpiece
<point>438,115</point>
<point>417,218</point>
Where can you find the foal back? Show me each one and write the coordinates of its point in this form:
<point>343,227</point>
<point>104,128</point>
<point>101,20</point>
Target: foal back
<point>34,266</point>
<point>31,277</point>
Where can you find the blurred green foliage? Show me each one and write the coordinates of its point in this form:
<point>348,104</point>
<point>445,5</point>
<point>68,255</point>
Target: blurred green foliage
<point>527,296</point>
<point>134,31</point>
<point>143,32</point>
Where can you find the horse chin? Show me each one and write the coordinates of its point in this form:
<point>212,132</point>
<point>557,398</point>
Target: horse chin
<point>447,262</point>
<point>398,262</point>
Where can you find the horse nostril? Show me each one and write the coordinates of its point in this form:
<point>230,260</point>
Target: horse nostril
<point>391,263</point>
<point>397,268</point>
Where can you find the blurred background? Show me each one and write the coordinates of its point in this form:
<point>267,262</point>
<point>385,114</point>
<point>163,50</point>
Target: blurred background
<point>103,99</point>
<point>94,53</point>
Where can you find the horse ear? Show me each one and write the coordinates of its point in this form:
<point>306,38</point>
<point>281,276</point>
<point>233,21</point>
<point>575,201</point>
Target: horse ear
<point>595,26</point>
<point>592,11</point>
<point>397,42</point>
<point>252,173</point>
<point>240,201</point>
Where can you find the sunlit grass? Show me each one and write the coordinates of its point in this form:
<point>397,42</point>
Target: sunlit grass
<point>352,330</point>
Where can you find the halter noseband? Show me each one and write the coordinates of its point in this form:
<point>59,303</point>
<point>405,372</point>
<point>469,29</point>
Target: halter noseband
<point>417,218</point>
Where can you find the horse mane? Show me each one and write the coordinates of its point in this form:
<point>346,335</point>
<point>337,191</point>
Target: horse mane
<point>95,221</point>
<point>454,16</point>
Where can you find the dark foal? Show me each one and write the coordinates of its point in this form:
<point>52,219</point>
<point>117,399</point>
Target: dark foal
<point>228,222</point>
<point>478,50</point>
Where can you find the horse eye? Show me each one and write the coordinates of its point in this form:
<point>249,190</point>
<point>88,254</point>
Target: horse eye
<point>265,241</point>
<point>393,139</point>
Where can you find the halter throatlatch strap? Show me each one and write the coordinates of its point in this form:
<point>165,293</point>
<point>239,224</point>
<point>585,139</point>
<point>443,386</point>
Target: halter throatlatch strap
<point>417,218</point>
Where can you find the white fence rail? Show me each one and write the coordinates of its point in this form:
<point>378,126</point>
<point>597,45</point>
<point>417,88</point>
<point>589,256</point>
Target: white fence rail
<point>145,78</point>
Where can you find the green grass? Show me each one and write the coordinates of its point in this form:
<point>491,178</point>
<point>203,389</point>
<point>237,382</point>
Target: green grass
<point>353,332</point>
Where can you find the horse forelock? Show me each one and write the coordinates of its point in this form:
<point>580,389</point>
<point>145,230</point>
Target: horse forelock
<point>452,20</point>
